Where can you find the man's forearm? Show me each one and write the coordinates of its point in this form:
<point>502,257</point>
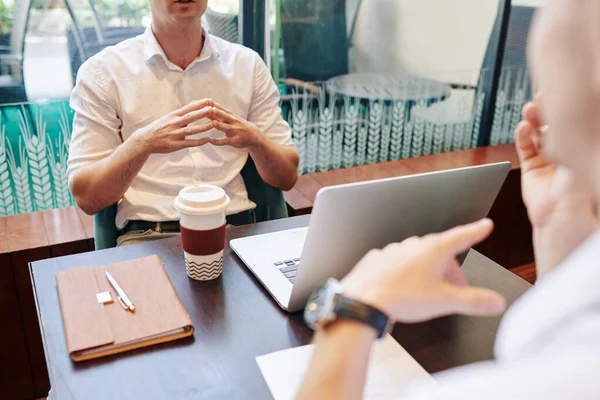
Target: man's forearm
<point>339,364</point>
<point>276,164</point>
<point>103,183</point>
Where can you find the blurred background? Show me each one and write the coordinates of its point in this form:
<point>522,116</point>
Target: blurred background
<point>361,81</point>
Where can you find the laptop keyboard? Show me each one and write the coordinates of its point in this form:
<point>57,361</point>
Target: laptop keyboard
<point>288,268</point>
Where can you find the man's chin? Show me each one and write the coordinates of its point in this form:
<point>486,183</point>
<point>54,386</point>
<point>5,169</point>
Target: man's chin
<point>186,16</point>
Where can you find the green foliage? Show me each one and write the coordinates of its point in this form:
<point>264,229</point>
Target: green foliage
<point>130,12</point>
<point>7,14</point>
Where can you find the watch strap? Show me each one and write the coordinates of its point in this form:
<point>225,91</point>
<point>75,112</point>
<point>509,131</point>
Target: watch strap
<point>348,308</point>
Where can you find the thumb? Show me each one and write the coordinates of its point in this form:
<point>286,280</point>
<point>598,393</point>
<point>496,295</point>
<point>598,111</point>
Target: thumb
<point>474,301</point>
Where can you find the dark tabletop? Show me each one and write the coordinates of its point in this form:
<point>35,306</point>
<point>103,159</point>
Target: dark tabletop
<point>235,320</point>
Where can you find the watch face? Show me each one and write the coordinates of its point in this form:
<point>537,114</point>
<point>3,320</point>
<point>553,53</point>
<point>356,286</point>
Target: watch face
<point>319,308</point>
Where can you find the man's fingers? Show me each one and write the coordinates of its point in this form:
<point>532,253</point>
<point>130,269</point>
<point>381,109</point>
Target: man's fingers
<point>194,106</point>
<point>455,275</point>
<point>526,148</point>
<point>193,116</point>
<point>186,143</point>
<point>194,129</point>
<point>220,141</point>
<point>462,238</point>
<point>527,142</point>
<point>469,300</point>
<point>220,107</point>
<point>223,127</point>
<point>531,113</point>
<point>223,116</point>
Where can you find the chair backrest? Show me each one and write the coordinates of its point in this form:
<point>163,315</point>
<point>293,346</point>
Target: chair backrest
<point>105,228</point>
<point>315,39</point>
<point>225,26</point>
<point>269,200</point>
<point>270,205</point>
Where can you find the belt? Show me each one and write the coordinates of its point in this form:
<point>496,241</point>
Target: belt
<point>165,226</point>
<point>242,218</point>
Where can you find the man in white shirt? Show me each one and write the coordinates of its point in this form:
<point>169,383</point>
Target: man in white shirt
<point>170,108</point>
<point>548,346</point>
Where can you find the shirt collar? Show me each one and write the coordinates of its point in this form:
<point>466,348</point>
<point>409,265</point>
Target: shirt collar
<point>566,293</point>
<point>152,49</point>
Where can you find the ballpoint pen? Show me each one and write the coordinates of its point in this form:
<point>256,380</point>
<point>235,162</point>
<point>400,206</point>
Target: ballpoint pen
<point>121,295</point>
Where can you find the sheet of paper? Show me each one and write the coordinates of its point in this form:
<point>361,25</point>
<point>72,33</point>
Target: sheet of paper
<point>391,370</point>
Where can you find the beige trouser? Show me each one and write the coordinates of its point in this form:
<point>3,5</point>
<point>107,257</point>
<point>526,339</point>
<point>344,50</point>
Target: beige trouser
<point>135,237</point>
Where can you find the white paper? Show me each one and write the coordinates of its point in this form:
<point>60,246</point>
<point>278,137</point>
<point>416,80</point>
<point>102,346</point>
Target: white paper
<point>391,370</point>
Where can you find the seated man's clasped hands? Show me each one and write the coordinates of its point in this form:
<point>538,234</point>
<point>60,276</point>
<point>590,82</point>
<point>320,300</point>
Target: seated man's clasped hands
<point>547,346</point>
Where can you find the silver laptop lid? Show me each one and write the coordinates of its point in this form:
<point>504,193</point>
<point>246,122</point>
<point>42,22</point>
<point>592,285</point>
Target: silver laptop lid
<point>349,220</point>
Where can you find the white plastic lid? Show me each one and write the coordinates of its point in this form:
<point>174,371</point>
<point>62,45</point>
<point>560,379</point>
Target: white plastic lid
<point>201,199</point>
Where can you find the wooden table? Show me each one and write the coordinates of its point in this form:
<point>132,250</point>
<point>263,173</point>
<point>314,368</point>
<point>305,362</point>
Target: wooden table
<point>236,320</point>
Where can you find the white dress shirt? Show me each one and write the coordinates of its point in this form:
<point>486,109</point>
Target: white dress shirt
<point>128,86</point>
<point>548,345</point>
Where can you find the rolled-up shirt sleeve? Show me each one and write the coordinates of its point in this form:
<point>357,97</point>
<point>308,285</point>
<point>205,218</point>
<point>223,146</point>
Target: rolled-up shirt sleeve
<point>265,111</point>
<point>96,124</point>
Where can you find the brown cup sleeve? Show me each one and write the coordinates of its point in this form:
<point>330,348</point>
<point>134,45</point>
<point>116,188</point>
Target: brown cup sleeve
<point>203,243</point>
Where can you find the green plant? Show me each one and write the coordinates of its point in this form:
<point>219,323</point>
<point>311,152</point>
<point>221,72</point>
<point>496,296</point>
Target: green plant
<point>128,12</point>
<point>7,13</point>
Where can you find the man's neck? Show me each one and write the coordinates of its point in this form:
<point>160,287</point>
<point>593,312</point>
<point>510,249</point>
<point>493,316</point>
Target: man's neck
<point>182,44</point>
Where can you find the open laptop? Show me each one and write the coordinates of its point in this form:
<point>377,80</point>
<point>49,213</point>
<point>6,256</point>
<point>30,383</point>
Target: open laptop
<point>349,220</point>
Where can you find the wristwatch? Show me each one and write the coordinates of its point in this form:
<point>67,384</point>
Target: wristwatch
<point>328,304</point>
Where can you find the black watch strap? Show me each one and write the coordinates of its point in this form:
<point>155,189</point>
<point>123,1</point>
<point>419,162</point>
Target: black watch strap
<point>348,308</point>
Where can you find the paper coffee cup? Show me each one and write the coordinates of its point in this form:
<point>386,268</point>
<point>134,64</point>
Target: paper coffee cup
<point>203,223</point>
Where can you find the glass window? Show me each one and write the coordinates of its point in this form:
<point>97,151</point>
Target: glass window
<point>514,88</point>
<point>13,16</point>
<point>62,34</point>
<point>372,81</point>
<point>222,19</point>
